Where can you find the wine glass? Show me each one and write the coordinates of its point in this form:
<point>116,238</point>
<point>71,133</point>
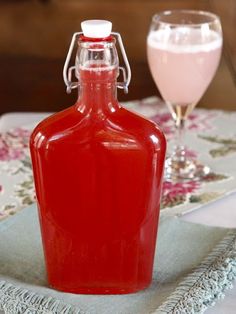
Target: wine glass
<point>183,49</point>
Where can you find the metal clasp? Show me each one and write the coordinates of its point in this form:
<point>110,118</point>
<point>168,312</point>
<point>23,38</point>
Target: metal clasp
<point>68,71</point>
<point>126,72</point>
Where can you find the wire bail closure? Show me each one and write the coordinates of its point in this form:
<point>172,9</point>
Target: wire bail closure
<point>67,71</point>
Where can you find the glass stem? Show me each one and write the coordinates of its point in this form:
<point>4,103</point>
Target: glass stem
<point>180,127</point>
<point>180,135</point>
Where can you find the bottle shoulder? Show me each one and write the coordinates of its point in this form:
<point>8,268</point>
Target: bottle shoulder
<point>69,127</point>
<point>53,121</point>
<point>141,125</point>
<point>128,130</point>
<point>55,126</point>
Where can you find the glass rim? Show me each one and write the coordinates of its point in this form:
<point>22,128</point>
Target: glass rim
<point>156,18</point>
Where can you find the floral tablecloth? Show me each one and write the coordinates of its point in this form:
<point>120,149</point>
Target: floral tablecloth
<point>210,136</point>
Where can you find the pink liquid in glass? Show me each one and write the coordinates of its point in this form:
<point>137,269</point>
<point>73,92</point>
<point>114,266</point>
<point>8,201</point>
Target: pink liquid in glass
<point>183,62</point>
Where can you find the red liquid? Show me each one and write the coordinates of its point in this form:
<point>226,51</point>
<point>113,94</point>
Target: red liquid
<point>98,171</point>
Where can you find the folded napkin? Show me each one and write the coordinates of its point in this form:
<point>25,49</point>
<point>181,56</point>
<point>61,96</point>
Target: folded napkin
<point>176,286</point>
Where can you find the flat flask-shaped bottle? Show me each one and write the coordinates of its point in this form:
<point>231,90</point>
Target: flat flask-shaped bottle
<point>98,173</point>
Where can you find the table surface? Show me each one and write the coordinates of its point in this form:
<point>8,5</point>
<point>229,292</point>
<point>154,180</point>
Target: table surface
<point>219,213</point>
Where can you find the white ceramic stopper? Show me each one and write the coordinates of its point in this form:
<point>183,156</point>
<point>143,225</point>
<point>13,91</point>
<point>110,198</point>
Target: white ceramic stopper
<point>96,28</point>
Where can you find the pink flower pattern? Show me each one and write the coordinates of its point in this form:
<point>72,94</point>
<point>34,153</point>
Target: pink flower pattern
<point>14,144</point>
<point>195,122</point>
<point>176,193</point>
<point>174,189</point>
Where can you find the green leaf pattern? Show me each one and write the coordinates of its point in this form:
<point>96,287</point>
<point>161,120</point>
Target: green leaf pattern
<point>228,145</point>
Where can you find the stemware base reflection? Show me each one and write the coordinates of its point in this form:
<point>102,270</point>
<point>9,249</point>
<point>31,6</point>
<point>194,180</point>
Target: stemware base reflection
<point>179,168</point>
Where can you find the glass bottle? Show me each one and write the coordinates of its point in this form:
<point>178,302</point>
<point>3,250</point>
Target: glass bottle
<point>98,173</point>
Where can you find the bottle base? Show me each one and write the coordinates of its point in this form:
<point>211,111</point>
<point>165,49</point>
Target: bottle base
<point>100,290</point>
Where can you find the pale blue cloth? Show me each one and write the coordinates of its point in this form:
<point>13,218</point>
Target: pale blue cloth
<point>181,247</point>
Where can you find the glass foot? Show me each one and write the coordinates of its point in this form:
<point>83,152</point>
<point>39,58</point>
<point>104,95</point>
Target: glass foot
<point>177,169</point>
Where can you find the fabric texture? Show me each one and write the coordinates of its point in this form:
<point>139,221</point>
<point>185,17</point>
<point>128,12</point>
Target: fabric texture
<point>208,137</point>
<point>176,287</point>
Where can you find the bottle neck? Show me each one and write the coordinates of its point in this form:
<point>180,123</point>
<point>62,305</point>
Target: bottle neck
<point>97,70</point>
<point>97,91</point>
